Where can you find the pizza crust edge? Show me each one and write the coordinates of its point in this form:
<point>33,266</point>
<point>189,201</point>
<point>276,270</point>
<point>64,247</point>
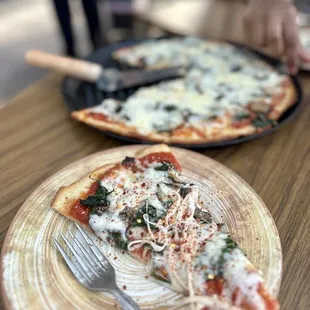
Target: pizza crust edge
<point>229,132</point>
<point>288,100</point>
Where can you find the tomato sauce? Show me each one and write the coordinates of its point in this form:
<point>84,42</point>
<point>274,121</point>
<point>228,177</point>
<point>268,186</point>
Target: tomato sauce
<point>242,123</point>
<point>98,116</point>
<point>160,157</point>
<point>271,304</point>
<point>215,286</point>
<point>102,117</point>
<point>81,213</point>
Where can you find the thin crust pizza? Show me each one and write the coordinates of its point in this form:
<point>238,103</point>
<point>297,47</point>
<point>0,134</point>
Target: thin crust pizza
<point>227,93</point>
<point>144,206</point>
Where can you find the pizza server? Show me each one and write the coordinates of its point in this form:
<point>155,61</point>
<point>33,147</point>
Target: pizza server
<point>108,80</point>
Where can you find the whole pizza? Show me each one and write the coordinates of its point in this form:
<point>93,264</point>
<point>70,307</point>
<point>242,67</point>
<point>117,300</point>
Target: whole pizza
<point>227,92</point>
<point>144,206</point>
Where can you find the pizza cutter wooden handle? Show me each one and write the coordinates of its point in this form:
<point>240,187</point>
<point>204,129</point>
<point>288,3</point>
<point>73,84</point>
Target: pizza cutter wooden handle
<point>77,68</point>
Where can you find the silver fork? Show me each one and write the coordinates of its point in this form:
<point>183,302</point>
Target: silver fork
<point>92,269</point>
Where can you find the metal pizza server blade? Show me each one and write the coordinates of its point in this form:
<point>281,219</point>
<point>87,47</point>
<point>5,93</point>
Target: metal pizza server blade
<point>113,80</point>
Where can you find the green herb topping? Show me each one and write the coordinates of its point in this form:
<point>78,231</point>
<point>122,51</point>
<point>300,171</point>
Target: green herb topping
<point>119,241</point>
<point>154,215</point>
<point>241,116</point>
<point>261,121</point>
<point>128,160</point>
<point>230,246</point>
<point>165,166</point>
<point>99,200</point>
<point>184,191</point>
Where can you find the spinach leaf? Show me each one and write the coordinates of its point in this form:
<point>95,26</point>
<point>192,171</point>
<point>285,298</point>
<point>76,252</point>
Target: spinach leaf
<point>219,97</point>
<point>261,76</point>
<point>230,245</point>
<point>241,116</point>
<point>126,117</point>
<point>165,166</point>
<point>170,107</point>
<point>154,215</point>
<point>162,128</point>
<point>184,191</point>
<point>168,203</point>
<point>261,121</point>
<point>99,199</point>
<point>119,108</point>
<point>138,216</point>
<point>119,241</point>
<point>128,160</point>
<point>236,68</point>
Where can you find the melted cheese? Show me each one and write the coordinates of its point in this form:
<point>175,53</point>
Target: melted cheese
<point>221,78</point>
<point>129,191</point>
<point>240,274</point>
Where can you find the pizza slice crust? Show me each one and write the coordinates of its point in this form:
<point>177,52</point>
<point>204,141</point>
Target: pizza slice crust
<point>289,99</point>
<point>227,133</point>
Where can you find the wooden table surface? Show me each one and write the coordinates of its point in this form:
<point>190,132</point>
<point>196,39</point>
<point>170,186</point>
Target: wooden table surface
<point>38,138</point>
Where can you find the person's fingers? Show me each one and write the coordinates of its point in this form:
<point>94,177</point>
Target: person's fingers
<point>257,32</point>
<point>253,28</point>
<point>291,40</point>
<point>274,35</point>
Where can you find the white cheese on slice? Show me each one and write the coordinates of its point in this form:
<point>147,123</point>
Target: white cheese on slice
<point>129,191</point>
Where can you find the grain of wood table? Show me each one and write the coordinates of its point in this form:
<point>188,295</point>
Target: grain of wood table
<point>38,138</point>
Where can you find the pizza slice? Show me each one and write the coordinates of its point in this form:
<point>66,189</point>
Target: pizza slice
<point>143,205</point>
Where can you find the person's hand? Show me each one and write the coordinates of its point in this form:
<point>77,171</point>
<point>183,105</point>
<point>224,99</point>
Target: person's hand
<point>273,24</point>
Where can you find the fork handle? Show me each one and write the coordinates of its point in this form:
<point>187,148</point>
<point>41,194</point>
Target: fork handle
<point>125,301</point>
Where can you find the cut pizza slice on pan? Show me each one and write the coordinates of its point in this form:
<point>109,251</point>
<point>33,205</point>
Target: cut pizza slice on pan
<point>228,92</point>
<point>144,206</point>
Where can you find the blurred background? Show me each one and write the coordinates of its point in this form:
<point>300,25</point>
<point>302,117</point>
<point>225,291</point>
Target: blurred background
<point>35,25</point>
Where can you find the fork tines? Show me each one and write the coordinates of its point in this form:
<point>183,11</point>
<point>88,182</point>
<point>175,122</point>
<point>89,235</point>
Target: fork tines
<point>88,262</point>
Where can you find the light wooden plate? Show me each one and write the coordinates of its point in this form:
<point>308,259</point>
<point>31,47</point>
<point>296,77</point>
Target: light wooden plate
<point>34,276</point>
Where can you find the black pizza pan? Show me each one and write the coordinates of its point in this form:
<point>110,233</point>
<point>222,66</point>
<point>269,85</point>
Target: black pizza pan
<point>80,95</point>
